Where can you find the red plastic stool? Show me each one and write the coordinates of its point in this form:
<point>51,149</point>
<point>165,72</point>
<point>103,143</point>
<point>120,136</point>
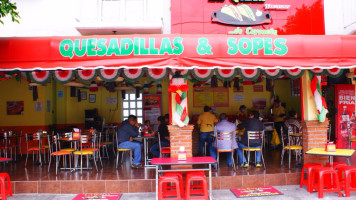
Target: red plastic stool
<point>173,193</point>
<point>167,188</point>
<point>348,181</point>
<point>199,191</point>
<point>5,190</point>
<point>336,164</point>
<point>319,182</point>
<point>307,181</point>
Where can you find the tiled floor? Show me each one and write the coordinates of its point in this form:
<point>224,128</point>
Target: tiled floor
<point>35,179</point>
<point>291,192</point>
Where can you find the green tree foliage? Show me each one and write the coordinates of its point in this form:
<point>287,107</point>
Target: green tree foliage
<point>8,8</point>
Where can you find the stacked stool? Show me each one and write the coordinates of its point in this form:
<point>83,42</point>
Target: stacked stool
<point>5,185</point>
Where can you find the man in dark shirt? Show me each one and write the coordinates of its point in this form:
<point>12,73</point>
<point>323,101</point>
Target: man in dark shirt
<point>128,130</point>
<point>163,133</point>
<point>251,124</point>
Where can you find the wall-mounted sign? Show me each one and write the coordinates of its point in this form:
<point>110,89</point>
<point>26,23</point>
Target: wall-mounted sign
<point>252,31</point>
<point>276,7</point>
<point>240,15</point>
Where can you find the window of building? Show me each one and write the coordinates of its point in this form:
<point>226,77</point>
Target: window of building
<point>295,87</point>
<point>132,106</point>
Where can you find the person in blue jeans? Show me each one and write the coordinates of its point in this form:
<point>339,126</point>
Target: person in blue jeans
<point>206,122</point>
<point>163,133</point>
<point>128,130</point>
<point>223,126</point>
<point>253,123</point>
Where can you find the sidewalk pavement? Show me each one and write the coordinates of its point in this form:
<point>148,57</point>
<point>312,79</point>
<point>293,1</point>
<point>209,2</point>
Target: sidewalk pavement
<point>290,192</point>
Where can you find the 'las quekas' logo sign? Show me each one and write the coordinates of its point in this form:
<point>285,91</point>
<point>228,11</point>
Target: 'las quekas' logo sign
<point>240,15</point>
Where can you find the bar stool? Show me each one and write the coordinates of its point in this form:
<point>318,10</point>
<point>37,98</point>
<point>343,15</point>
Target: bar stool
<point>165,180</point>
<point>319,182</point>
<point>308,167</point>
<point>348,181</point>
<point>5,185</point>
<point>200,191</point>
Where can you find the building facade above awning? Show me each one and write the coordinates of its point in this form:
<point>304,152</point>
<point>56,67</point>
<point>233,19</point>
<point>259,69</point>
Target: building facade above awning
<point>178,52</point>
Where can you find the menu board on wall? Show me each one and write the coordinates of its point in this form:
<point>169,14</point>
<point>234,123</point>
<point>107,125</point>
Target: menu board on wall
<point>207,96</point>
<point>152,108</point>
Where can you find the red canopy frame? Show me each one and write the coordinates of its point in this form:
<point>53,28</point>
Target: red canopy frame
<point>178,51</point>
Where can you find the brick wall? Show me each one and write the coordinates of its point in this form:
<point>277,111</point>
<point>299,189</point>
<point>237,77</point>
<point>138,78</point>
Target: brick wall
<point>314,136</point>
<point>181,137</point>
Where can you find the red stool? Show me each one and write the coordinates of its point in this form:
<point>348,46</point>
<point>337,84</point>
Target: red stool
<point>167,189</point>
<point>348,181</point>
<point>336,164</point>
<point>307,181</point>
<point>169,179</point>
<point>200,191</point>
<point>319,182</point>
<point>5,190</point>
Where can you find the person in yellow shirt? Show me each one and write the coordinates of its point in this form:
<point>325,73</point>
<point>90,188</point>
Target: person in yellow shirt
<point>242,114</point>
<point>206,122</point>
<point>278,114</point>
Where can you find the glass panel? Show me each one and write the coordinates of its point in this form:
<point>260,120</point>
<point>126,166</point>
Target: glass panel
<point>139,104</point>
<point>125,105</point>
<point>126,96</point>
<point>132,104</point>
<point>126,113</point>
<point>139,112</point>
<point>132,96</point>
<point>125,118</point>
<point>132,112</point>
<point>139,120</point>
<point>140,98</point>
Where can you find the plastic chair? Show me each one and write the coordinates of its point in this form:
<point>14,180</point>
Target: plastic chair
<point>226,138</point>
<point>292,146</point>
<point>123,152</point>
<point>176,194</point>
<point>320,184</point>
<point>34,138</point>
<point>348,179</point>
<point>84,139</point>
<point>5,185</point>
<point>254,135</point>
<point>167,188</point>
<point>308,167</point>
<point>162,150</point>
<point>199,191</point>
<point>336,165</point>
<point>57,154</point>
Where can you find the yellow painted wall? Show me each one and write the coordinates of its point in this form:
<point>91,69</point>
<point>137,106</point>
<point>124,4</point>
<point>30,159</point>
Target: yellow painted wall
<point>11,90</point>
<point>67,110</point>
<point>282,88</point>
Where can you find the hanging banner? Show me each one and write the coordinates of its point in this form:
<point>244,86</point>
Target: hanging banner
<point>178,51</point>
<point>345,115</point>
<point>152,108</point>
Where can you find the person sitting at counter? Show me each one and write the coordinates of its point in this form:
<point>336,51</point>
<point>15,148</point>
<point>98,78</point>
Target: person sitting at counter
<point>251,124</point>
<point>163,133</point>
<point>128,130</point>
<point>224,126</point>
<point>241,113</point>
<point>148,127</point>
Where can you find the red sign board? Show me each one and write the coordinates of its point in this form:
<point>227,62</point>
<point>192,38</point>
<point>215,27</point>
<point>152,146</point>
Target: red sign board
<point>345,115</point>
<point>255,192</point>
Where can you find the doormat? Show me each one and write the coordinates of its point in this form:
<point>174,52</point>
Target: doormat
<point>255,192</point>
<point>101,196</point>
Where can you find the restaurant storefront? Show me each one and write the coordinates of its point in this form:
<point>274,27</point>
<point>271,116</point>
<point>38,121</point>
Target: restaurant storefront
<point>200,46</point>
